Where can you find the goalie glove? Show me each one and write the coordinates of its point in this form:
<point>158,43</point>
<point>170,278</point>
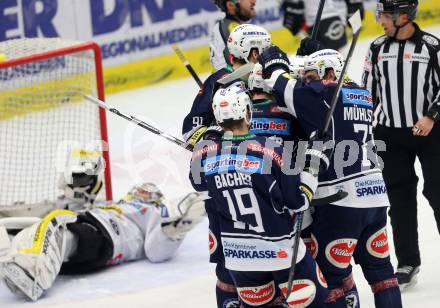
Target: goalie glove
<point>185,214</point>
<point>202,132</point>
<point>36,255</point>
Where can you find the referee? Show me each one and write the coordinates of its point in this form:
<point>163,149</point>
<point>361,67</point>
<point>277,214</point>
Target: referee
<point>403,74</point>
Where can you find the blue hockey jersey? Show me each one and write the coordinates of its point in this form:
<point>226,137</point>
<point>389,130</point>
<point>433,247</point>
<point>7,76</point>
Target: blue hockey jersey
<point>254,200</point>
<point>354,167</point>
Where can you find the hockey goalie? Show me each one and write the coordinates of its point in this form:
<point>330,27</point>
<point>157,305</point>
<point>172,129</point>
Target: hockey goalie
<point>79,236</point>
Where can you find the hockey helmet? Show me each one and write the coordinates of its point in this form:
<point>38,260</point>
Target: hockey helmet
<point>397,7</point>
<point>231,103</point>
<point>324,59</point>
<point>246,37</point>
<point>145,193</point>
<point>221,4</point>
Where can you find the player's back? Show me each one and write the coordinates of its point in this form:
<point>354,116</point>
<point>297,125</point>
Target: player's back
<point>268,120</point>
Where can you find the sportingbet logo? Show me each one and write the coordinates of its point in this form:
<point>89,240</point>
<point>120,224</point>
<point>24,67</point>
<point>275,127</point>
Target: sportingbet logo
<point>357,97</point>
<point>221,163</point>
<point>270,126</point>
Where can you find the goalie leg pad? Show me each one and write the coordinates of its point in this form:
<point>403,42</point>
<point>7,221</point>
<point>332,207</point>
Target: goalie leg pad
<point>95,247</point>
<point>36,255</point>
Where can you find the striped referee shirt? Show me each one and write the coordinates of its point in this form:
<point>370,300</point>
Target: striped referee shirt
<point>403,78</point>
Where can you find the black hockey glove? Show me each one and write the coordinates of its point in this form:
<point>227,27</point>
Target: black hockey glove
<point>272,59</point>
<point>353,6</point>
<point>318,154</point>
<point>293,15</point>
<point>309,46</point>
<point>199,133</point>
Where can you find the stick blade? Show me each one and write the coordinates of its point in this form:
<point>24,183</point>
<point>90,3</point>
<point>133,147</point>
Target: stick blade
<point>356,21</point>
<point>237,74</point>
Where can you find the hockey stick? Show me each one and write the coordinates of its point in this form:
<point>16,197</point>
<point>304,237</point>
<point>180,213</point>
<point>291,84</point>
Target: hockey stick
<point>188,66</point>
<point>137,121</point>
<point>237,74</point>
<point>356,23</point>
<point>317,20</point>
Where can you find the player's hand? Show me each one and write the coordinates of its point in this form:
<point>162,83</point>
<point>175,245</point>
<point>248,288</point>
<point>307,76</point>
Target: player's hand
<point>423,127</point>
<point>204,133</point>
<point>273,59</point>
<point>318,153</point>
<point>294,19</point>
<point>309,46</point>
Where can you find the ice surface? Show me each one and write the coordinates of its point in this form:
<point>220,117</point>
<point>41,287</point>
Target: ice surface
<point>188,280</point>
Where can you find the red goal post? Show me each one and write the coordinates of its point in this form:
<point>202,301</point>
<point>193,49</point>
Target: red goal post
<point>43,113</point>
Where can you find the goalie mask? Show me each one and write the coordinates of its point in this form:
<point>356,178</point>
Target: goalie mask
<point>246,37</point>
<point>231,104</point>
<point>146,193</point>
<point>81,181</point>
<point>323,60</point>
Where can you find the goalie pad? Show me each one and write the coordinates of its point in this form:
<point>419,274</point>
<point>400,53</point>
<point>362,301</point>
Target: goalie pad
<point>185,214</point>
<point>36,255</point>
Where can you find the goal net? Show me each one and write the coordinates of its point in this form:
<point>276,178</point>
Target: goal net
<point>43,115</point>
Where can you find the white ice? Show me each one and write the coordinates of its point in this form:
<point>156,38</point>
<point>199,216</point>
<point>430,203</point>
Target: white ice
<point>188,279</point>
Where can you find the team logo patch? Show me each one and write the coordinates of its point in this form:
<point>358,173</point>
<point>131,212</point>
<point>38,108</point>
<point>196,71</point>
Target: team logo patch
<point>377,244</point>
<point>335,30</point>
<point>257,296</point>
<point>321,277</point>
<point>339,252</point>
<point>229,162</point>
<point>260,126</point>
<point>430,40</point>
<point>311,245</point>
<point>298,285</point>
<point>212,242</point>
<point>357,97</point>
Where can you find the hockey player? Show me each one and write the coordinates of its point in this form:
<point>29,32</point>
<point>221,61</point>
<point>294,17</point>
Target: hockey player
<point>245,43</point>
<point>142,225</point>
<point>355,226</point>
<point>300,15</point>
<point>254,201</point>
<point>237,12</point>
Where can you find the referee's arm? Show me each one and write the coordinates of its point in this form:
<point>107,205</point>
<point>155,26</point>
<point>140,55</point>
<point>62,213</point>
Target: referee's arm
<point>370,82</point>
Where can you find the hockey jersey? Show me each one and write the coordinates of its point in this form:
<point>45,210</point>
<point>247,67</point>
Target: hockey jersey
<point>354,167</point>
<point>217,43</point>
<point>201,109</point>
<point>254,200</point>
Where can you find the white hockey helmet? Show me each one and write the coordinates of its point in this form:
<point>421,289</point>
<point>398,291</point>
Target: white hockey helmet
<point>256,81</point>
<point>231,103</point>
<point>146,193</point>
<point>246,37</point>
<point>297,66</point>
<point>322,60</point>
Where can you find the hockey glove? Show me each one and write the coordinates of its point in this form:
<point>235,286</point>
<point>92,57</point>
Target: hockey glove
<point>202,132</point>
<point>353,6</point>
<point>293,15</point>
<point>318,153</point>
<point>273,59</point>
<point>308,46</point>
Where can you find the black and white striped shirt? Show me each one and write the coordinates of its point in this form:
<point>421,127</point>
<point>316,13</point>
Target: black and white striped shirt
<point>404,78</point>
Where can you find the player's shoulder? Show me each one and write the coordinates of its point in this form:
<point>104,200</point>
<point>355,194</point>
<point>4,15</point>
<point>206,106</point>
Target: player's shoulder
<point>430,40</point>
<point>379,41</point>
